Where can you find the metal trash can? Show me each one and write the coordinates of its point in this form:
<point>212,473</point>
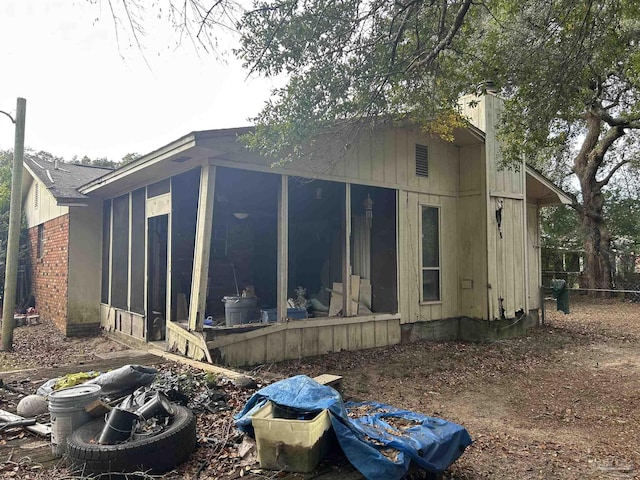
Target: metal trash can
<point>240,310</point>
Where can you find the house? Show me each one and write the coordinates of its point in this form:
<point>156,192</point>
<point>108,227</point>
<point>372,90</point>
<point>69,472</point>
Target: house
<point>430,238</point>
<point>64,243</point>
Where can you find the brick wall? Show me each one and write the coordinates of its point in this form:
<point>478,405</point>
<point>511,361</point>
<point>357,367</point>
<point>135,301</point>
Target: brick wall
<point>49,274</point>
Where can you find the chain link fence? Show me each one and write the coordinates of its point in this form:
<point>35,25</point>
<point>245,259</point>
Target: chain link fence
<point>596,309</point>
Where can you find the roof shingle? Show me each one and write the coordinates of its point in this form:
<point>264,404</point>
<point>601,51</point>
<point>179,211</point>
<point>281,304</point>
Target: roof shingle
<point>64,180</point>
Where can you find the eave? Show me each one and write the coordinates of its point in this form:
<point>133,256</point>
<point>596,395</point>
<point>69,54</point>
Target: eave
<point>543,192</point>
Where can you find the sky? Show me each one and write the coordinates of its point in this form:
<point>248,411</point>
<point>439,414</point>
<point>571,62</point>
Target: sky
<point>89,93</point>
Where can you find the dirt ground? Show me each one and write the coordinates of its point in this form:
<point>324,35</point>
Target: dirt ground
<point>560,403</point>
<point>44,346</point>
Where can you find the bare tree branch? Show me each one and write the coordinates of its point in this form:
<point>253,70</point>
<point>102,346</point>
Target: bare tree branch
<point>443,18</point>
<point>203,22</point>
<point>257,62</point>
<point>611,173</point>
<point>445,42</point>
<point>607,140</point>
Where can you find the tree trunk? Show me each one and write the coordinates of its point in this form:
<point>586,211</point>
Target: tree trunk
<point>597,239</point>
<point>597,242</point>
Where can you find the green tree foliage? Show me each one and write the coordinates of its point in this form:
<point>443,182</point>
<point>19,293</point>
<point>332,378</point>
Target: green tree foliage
<point>351,62</point>
<point>571,73</point>
<point>128,158</point>
<point>97,162</point>
<point>569,70</point>
<point>622,211</point>
<point>560,228</point>
<point>6,159</point>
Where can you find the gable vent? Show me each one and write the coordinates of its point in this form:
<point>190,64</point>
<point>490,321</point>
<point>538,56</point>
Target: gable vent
<point>36,196</point>
<point>422,161</point>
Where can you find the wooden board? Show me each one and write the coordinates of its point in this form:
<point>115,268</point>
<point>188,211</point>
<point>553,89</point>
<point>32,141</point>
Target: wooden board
<point>38,428</point>
<point>364,298</point>
<point>336,300</point>
<point>160,355</point>
<point>335,306</point>
<point>334,381</point>
<point>355,287</point>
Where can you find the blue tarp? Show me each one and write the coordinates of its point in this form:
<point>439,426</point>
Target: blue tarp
<point>379,440</point>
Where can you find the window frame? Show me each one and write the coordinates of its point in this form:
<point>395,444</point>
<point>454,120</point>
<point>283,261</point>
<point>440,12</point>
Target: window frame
<point>438,209</point>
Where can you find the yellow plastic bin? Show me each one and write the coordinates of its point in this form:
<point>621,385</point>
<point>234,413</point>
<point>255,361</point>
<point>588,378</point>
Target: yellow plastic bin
<point>287,443</point>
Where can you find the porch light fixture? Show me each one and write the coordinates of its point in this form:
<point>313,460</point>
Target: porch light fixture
<point>241,215</point>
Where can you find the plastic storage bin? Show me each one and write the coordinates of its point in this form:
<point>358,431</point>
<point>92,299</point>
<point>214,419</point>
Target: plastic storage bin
<point>290,444</point>
<point>298,313</point>
<point>271,314</point>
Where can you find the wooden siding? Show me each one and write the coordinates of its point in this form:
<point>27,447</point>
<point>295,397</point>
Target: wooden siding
<point>410,268</point>
<point>472,256</point>
<point>47,207</point>
<point>85,263</point>
<point>533,253</point>
<point>384,157</point>
<point>472,233</point>
<point>159,205</point>
<point>502,181</point>
<point>472,176</point>
<point>507,253</point>
<point>484,113</point>
<point>473,108</point>
<point>305,338</point>
<point>506,256</point>
<point>117,320</point>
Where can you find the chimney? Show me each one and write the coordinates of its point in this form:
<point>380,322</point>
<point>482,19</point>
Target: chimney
<point>55,164</point>
<point>490,86</point>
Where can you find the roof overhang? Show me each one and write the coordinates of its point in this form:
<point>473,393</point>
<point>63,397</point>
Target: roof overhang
<point>543,192</point>
<point>199,148</point>
<point>143,166</point>
<point>26,181</point>
<point>72,202</point>
<point>188,152</point>
<point>469,135</point>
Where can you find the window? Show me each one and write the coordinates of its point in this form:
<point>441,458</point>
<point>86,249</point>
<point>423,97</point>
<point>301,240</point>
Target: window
<point>41,240</point>
<point>422,161</point>
<point>430,254</point>
<point>120,253</point>
<point>159,188</point>
<point>106,247</point>
<point>138,250</point>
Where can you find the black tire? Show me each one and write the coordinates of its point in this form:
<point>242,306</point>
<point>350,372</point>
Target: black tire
<point>156,454</point>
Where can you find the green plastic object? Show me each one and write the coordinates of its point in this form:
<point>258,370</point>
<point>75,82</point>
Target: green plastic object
<point>561,294</point>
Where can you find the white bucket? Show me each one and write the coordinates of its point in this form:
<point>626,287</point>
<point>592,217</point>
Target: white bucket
<point>67,413</point>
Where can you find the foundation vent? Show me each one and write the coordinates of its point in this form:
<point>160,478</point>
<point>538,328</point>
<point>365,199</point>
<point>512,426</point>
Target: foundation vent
<point>422,161</point>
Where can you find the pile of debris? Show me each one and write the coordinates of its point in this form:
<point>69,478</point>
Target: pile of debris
<point>233,427</point>
<point>160,414</point>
